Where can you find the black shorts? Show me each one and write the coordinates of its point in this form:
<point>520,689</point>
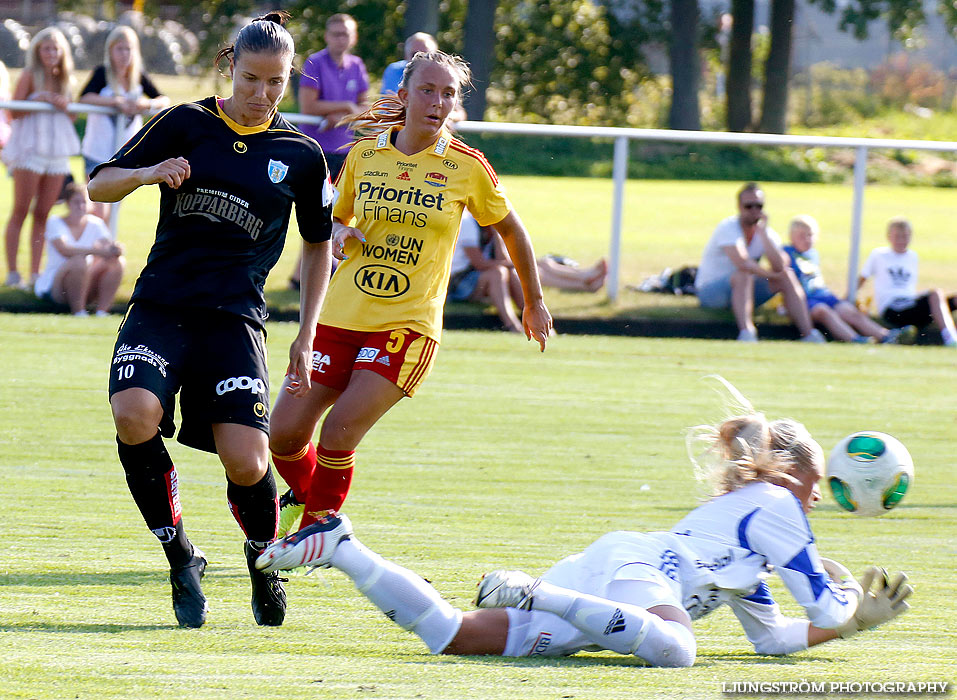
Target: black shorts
<point>217,361</point>
<point>917,314</point>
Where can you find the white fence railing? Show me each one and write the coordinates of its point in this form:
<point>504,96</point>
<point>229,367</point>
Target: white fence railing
<point>621,137</point>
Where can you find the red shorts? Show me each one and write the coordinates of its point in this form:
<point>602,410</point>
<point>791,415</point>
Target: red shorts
<point>402,356</point>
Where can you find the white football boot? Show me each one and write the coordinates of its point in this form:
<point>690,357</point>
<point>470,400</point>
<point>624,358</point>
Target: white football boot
<point>313,545</point>
<point>506,589</point>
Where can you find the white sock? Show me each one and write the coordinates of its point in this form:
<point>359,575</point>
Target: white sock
<point>405,598</point>
<point>620,627</point>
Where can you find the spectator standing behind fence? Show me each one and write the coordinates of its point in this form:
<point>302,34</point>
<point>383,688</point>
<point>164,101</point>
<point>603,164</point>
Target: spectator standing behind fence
<point>334,85</point>
<point>392,76</point>
<point>894,269</point>
<point>840,317</point>
<point>40,145</point>
<point>4,114</point>
<point>119,83</point>
<point>731,277</point>
<point>84,264</point>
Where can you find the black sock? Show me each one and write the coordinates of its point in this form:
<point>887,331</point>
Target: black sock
<point>151,477</point>
<point>179,550</point>
<point>256,509</point>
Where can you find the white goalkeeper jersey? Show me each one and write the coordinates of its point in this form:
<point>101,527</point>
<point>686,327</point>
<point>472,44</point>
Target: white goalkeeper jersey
<point>726,547</point>
<point>721,553</point>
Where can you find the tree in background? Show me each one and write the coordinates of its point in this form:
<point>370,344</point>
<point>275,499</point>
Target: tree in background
<point>563,61</point>
<point>479,51</point>
<point>685,112</point>
<point>902,17</point>
<point>739,65</point>
<point>549,60</point>
<point>777,69</point>
<point>566,61</point>
<point>422,16</point>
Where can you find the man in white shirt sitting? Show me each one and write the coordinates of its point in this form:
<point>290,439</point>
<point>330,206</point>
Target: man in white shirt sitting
<point>730,274</point>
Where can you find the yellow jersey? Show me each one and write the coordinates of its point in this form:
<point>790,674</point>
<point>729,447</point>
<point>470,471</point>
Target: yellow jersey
<point>409,208</point>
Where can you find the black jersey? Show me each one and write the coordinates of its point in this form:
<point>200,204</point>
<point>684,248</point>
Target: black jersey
<point>221,232</point>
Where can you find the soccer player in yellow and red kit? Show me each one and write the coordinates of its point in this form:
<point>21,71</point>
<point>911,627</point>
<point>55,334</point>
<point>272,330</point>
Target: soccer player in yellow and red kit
<point>405,186</point>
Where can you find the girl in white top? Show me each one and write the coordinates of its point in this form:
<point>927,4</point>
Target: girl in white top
<point>40,144</point>
<point>119,83</point>
<point>84,265</point>
<point>637,593</point>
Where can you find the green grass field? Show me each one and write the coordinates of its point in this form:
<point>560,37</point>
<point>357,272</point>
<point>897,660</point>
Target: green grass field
<point>506,457</point>
<point>666,224</point>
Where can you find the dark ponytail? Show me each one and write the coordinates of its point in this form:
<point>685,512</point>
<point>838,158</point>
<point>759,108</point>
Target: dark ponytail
<point>265,34</point>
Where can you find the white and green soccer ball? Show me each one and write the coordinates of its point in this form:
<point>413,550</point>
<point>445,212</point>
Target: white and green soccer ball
<point>869,473</point>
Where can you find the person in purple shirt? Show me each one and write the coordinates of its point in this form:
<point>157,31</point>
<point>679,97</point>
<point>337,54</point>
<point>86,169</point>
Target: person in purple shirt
<point>334,85</point>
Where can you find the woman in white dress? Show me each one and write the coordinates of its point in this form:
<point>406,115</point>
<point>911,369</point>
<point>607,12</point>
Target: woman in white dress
<point>4,95</point>
<point>84,265</point>
<point>40,145</point>
<point>637,593</point>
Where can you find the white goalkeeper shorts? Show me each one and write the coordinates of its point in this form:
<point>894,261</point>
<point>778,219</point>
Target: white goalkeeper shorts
<point>621,566</point>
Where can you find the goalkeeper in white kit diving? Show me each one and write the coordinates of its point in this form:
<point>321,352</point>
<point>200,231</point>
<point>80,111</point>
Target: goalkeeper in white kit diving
<point>637,593</point>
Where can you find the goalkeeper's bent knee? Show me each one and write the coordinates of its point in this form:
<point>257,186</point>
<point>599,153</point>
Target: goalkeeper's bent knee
<point>669,644</point>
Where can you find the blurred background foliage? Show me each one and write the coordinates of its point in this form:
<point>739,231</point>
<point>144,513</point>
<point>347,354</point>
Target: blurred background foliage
<point>587,62</point>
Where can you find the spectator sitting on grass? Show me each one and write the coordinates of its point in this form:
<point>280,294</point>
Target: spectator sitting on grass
<point>556,271</point>
<point>477,276</point>
<point>731,277</point>
<point>84,264</point>
<point>894,269</point>
<point>840,317</point>
<point>483,271</point>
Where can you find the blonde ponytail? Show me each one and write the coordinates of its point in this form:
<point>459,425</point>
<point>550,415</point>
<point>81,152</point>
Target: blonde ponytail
<point>386,112</point>
<point>747,447</point>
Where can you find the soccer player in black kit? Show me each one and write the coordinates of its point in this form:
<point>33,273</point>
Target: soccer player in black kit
<point>228,171</point>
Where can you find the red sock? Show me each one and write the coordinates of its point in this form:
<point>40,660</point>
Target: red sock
<point>297,470</point>
<point>330,482</point>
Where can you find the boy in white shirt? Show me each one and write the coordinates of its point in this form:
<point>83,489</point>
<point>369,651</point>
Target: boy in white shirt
<point>894,269</point>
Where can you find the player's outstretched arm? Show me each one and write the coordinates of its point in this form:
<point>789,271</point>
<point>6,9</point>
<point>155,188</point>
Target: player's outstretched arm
<point>877,606</point>
<point>112,184</point>
<point>314,279</point>
<point>536,319</point>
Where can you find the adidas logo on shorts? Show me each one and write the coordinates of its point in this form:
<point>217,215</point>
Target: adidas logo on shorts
<point>616,624</point>
<point>384,360</point>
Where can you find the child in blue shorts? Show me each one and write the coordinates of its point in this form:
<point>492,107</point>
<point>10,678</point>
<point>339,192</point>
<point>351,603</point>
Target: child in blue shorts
<point>841,318</point>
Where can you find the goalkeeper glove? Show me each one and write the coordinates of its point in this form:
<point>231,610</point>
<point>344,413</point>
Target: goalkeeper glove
<point>879,606</point>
